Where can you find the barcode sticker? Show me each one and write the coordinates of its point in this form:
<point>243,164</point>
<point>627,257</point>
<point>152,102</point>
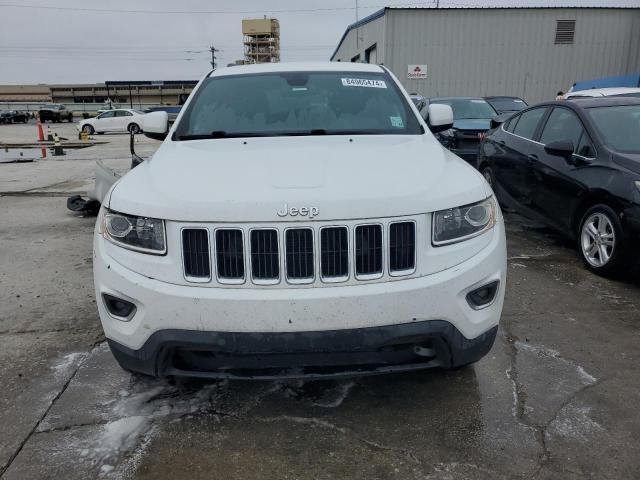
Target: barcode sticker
<point>363,82</point>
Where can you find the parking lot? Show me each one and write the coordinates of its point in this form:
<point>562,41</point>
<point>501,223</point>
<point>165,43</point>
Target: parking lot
<point>555,399</point>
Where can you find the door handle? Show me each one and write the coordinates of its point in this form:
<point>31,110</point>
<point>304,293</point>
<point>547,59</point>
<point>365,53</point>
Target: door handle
<point>532,157</point>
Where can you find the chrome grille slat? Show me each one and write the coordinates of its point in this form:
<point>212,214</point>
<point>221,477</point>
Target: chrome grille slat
<point>402,246</point>
<point>265,260</point>
<point>299,253</point>
<point>230,254</point>
<point>334,252</point>
<point>368,250</point>
<point>196,257</point>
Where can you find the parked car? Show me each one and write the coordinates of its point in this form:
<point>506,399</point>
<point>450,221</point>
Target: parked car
<point>172,110</point>
<point>13,116</point>
<point>471,119</point>
<point>55,113</point>
<point>118,120</point>
<point>505,104</point>
<point>574,165</point>
<point>604,92</point>
<point>299,220</point>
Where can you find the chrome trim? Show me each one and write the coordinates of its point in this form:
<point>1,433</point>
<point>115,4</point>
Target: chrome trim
<point>184,273</point>
<point>249,261</point>
<point>231,281</point>
<point>369,276</point>
<point>343,278</point>
<point>402,273</point>
<point>299,281</point>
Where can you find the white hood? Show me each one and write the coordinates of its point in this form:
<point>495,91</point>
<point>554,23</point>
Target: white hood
<point>249,180</point>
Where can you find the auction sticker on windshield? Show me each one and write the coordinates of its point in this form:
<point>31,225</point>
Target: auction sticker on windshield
<point>363,82</point>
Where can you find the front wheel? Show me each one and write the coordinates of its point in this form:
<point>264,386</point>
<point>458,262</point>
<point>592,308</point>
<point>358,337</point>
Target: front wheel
<point>133,128</point>
<point>88,129</point>
<point>601,240</point>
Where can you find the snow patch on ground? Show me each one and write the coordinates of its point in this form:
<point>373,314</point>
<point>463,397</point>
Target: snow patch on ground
<point>333,398</point>
<point>542,351</point>
<point>63,367</point>
<point>574,422</point>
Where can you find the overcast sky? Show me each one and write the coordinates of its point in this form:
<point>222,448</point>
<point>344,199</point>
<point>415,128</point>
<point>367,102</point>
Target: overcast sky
<point>75,41</point>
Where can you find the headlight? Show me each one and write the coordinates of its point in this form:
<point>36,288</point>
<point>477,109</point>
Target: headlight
<point>461,223</point>
<point>141,234</point>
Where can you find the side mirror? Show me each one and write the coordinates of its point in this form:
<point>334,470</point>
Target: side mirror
<point>560,148</point>
<point>500,119</point>
<point>440,117</point>
<point>156,125</point>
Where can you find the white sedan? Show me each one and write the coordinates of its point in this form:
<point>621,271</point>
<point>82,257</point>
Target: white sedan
<point>121,120</point>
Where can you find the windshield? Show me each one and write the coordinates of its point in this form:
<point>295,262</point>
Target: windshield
<point>467,108</point>
<point>619,126</point>
<point>297,103</point>
<point>507,104</point>
<point>139,112</point>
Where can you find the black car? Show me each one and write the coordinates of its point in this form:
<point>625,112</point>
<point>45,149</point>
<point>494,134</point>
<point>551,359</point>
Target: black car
<point>505,104</point>
<point>574,165</point>
<point>13,116</point>
<point>471,119</point>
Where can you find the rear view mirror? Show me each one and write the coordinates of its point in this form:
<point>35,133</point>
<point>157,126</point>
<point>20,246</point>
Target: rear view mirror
<point>440,117</point>
<point>156,125</point>
<point>560,148</point>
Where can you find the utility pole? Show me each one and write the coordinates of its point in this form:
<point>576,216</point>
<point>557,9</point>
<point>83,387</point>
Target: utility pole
<point>213,51</point>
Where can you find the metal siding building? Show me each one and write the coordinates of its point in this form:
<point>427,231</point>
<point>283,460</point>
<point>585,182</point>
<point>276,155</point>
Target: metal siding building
<point>496,51</point>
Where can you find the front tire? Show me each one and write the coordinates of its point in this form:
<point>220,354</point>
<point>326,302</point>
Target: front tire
<point>88,129</point>
<point>133,128</point>
<point>601,241</point>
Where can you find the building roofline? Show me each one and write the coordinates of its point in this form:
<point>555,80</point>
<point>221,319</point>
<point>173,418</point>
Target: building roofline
<point>379,13</point>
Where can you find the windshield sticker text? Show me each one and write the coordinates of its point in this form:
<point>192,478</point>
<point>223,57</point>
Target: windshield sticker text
<point>363,82</point>
<point>396,122</point>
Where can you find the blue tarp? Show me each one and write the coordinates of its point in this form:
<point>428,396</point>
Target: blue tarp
<point>632,80</point>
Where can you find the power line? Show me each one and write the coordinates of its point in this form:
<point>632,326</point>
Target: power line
<point>200,12</point>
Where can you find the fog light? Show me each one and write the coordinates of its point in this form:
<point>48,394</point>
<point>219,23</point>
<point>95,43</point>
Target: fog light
<point>118,307</point>
<point>483,296</point>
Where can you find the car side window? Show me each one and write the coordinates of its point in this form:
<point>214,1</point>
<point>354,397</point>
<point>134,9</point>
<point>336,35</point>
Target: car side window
<point>106,115</point>
<point>562,125</point>
<point>585,147</point>
<point>527,122</point>
<point>123,113</point>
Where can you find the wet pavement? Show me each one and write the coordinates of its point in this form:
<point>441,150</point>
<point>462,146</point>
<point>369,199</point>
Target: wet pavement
<point>556,398</point>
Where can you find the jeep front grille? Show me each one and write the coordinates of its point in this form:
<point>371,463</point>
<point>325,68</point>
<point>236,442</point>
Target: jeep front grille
<point>307,254</point>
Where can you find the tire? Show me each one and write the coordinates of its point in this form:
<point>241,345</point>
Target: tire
<point>487,173</point>
<point>601,241</point>
<point>88,129</point>
<point>133,128</point>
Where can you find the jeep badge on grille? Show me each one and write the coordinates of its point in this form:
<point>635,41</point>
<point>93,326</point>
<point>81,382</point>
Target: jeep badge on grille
<point>298,211</point>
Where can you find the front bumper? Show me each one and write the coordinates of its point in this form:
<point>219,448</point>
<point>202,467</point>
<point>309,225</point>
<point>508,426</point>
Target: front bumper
<point>351,324</point>
<point>326,354</point>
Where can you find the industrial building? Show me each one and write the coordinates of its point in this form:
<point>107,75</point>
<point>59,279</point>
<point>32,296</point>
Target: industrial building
<point>89,97</point>
<point>527,52</point>
<point>261,40</point>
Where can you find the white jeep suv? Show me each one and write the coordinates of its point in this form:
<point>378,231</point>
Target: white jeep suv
<point>299,220</point>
